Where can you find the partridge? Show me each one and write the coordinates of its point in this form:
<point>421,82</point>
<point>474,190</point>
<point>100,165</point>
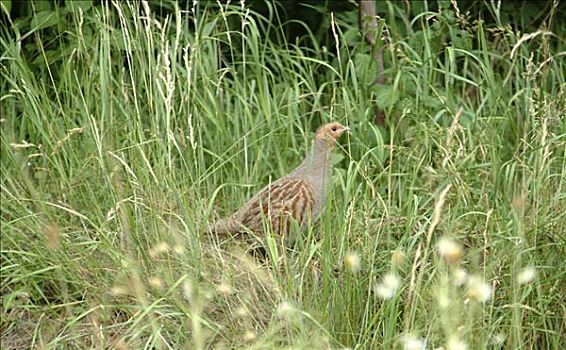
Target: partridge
<point>299,196</point>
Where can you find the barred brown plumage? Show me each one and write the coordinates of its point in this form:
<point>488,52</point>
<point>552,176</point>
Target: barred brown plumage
<point>280,203</point>
<point>295,198</point>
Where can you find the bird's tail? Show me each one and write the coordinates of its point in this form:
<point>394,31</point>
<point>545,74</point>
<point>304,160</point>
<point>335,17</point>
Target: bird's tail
<point>224,227</point>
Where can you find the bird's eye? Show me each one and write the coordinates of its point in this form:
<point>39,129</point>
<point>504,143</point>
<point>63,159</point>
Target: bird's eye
<point>334,128</point>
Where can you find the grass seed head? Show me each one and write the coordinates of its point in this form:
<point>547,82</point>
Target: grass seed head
<point>454,343</point>
<point>398,258</point>
<point>388,286</point>
<point>450,250</point>
<point>120,345</point>
<point>285,309</point>
<point>411,342</point>
<point>53,236</point>
<point>179,249</point>
<point>187,288</point>
<point>158,249</point>
<point>443,298</point>
<point>518,203</point>
<point>459,277</point>
<point>478,290</point>
<point>118,290</point>
<point>249,336</point>
<point>225,289</point>
<point>156,282</point>
<point>352,262</point>
<point>498,340</point>
<point>242,312</point>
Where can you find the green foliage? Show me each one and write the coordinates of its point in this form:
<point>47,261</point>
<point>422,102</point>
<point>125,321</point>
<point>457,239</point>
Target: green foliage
<point>128,127</point>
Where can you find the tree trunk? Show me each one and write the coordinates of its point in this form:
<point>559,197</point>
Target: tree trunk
<point>368,25</point>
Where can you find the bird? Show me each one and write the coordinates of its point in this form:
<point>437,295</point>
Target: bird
<point>296,197</point>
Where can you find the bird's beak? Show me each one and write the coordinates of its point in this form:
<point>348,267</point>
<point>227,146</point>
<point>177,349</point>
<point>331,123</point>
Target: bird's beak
<point>346,128</point>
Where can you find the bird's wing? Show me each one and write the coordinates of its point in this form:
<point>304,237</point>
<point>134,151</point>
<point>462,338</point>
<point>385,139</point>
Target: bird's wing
<point>279,202</point>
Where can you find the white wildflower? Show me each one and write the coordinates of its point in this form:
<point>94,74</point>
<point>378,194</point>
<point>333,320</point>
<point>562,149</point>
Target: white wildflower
<point>527,275</point>
<point>388,286</point>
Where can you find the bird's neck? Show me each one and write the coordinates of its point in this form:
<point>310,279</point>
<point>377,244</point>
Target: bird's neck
<point>318,157</point>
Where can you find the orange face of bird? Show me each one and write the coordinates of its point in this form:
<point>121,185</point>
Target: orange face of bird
<point>331,132</point>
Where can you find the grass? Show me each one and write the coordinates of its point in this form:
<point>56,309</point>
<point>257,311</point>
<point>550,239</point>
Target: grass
<point>120,146</point>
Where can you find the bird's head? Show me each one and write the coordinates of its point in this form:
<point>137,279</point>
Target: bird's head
<point>331,132</point>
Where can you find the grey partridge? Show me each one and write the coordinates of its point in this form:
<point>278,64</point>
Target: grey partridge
<point>299,196</point>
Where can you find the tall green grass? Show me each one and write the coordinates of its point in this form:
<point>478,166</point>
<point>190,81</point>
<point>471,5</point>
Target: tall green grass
<point>146,129</point>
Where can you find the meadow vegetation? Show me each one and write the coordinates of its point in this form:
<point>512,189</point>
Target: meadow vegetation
<point>126,131</point>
